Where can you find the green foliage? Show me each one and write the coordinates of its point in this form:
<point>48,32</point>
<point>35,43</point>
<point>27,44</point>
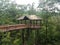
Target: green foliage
<point>50,20</point>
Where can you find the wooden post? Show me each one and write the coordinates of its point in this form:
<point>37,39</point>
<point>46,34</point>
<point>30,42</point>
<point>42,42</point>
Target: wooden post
<point>40,22</point>
<point>34,24</point>
<point>29,30</point>
<point>25,21</point>
<point>30,23</point>
<point>37,35</point>
<point>23,37</point>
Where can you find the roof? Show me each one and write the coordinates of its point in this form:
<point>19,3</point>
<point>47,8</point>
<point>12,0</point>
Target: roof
<point>29,17</point>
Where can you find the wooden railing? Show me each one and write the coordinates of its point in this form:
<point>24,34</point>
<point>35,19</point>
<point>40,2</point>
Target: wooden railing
<point>17,26</point>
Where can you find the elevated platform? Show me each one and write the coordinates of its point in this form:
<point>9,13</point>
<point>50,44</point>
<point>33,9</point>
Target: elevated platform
<point>18,26</point>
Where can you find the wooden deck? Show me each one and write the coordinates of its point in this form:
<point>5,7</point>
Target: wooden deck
<point>17,26</point>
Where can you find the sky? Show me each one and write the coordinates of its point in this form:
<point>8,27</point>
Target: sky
<point>27,2</point>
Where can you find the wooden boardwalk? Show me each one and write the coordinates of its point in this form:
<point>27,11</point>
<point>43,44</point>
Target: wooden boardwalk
<point>17,26</point>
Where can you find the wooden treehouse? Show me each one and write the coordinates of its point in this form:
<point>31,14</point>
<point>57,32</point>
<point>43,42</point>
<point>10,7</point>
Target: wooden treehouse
<point>30,21</point>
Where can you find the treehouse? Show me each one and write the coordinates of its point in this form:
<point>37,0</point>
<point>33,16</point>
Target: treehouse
<point>31,21</point>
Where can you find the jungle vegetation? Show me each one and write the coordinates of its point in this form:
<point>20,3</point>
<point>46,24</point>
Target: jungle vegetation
<point>47,10</point>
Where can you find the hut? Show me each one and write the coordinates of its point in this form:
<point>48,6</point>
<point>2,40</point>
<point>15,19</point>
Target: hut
<point>33,21</point>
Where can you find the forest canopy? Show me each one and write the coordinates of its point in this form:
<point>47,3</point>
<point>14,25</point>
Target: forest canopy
<point>46,9</point>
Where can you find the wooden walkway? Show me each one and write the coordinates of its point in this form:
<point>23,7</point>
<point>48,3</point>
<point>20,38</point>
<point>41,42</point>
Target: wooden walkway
<point>17,26</point>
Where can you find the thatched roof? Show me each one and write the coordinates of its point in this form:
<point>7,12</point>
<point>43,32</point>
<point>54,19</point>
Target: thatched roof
<point>29,17</point>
